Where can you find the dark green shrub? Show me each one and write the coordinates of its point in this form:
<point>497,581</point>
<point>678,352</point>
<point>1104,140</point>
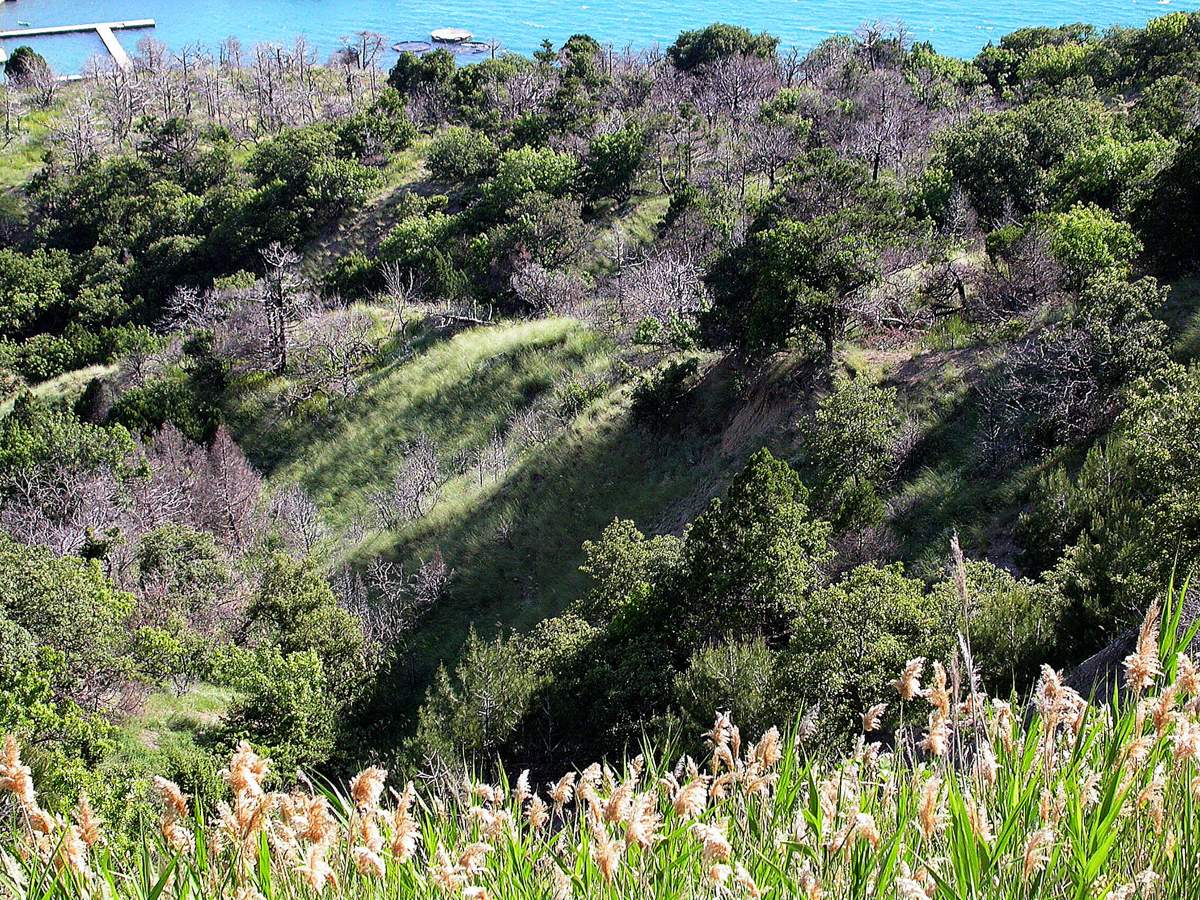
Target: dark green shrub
<point>169,399</point>
<point>286,708</point>
<point>660,393</point>
<point>24,63</point>
<point>615,160</point>
<point>460,155</point>
<point>353,276</point>
<point>718,41</point>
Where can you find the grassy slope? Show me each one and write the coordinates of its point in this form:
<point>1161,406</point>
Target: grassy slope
<point>365,229</point>
<point>1182,315</point>
<point>515,543</point>
<point>169,718</point>
<point>63,388</point>
<point>945,484</point>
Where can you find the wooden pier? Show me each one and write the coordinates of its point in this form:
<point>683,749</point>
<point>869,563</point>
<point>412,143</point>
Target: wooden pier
<point>103,29</point>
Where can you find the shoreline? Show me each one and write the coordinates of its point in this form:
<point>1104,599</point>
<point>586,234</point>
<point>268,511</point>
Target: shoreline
<point>173,29</point>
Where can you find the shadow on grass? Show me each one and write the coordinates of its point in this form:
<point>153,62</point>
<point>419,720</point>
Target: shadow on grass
<point>1182,315</point>
<point>947,484</point>
<point>517,551</point>
<point>515,543</point>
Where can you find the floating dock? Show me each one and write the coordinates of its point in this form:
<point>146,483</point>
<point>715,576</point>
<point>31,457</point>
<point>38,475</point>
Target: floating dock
<point>451,36</point>
<point>103,29</point>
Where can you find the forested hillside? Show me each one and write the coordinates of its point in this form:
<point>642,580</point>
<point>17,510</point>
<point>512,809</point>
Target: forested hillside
<point>523,411</point>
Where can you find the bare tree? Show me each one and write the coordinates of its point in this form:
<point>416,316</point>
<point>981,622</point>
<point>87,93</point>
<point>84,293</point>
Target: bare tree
<point>76,137</point>
<point>227,492</point>
<point>332,350</point>
<point>387,601</point>
<point>239,323</point>
<point>680,141</point>
<point>175,465</point>
<point>270,96</point>
<point>1043,392</point>
<point>882,43</point>
<point>946,284</point>
<point>403,289</point>
<point>369,46</point>
<point>280,294</point>
<point>38,82</point>
<point>771,146</point>
<point>663,283</point>
<point>252,94</point>
<point>527,91</point>
<point>893,301</point>
<point>1020,284</point>
<point>166,94</point>
<point>11,98</point>
<point>731,90</point>
<point>547,291</point>
<point>60,506</point>
<point>533,426</point>
<point>888,129</point>
<point>415,486</point>
<point>300,522</point>
<point>493,458</point>
<point>190,309</point>
<point>120,96</point>
<point>428,585</point>
<point>961,218</point>
<point>357,59</point>
<point>790,62</point>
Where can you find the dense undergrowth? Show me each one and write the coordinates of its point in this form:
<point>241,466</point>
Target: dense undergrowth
<point>1074,799</point>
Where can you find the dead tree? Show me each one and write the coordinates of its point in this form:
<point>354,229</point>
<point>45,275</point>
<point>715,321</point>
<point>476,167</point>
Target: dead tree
<point>76,137</point>
<point>190,309</point>
<point>1020,284</point>
<point>299,519</point>
<point>280,293</point>
<point>403,289</point>
<point>415,486</point>
<point>493,458</point>
<point>39,83</point>
<point>388,602</point>
<point>547,291</point>
<point>731,90</point>
<point>889,127</point>
<point>59,506</point>
<point>771,146</point>
<point>120,96</point>
<point>334,349</point>
<point>427,587</point>
<point>1043,392</point>
<point>226,500</point>
<point>662,284</point>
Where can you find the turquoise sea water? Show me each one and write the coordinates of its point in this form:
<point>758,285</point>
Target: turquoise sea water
<point>958,27</point>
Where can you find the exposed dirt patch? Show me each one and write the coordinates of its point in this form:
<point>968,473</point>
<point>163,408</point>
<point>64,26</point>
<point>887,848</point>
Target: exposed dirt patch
<point>778,398</point>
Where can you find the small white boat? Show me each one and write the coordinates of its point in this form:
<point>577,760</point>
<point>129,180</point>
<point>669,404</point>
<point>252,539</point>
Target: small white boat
<point>451,35</point>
